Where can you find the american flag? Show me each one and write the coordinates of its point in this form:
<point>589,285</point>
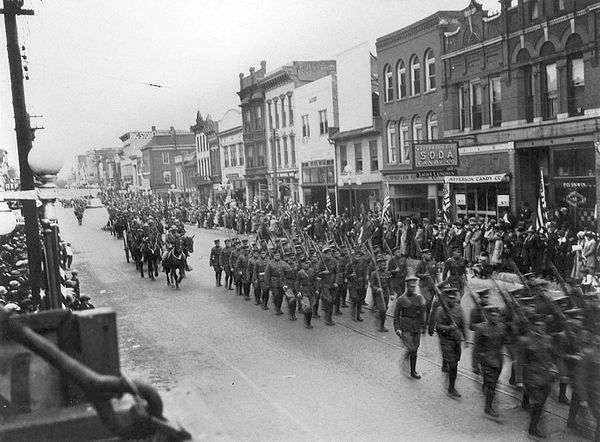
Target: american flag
<point>446,204</point>
<point>328,202</point>
<point>255,202</point>
<point>386,217</point>
<point>228,198</point>
<point>541,213</point>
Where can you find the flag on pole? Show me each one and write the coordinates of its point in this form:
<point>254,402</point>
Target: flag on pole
<point>446,204</point>
<point>228,198</point>
<point>255,202</point>
<point>209,203</point>
<point>541,213</point>
<point>327,202</point>
<point>386,210</point>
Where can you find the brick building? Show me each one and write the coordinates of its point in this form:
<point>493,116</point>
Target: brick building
<point>203,132</point>
<point>411,93</point>
<point>520,97</point>
<point>233,159</point>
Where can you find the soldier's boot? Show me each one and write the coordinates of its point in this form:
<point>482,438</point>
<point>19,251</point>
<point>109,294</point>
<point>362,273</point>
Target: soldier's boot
<point>382,317</point>
<point>413,366</point>
<point>265,300</point>
<point>239,289</point>
<point>315,313</point>
<point>217,279</point>
<point>525,401</point>
<point>292,311</point>
<point>246,292</point>
<point>489,398</point>
<point>358,311</point>
<point>257,295</point>
<point>353,312</point>
<point>328,313</point>
<point>307,319</point>
<point>573,410</point>
<point>536,414</point>
<point>337,310</point>
<point>452,371</point>
<point>562,396</point>
<point>512,380</point>
<point>344,303</point>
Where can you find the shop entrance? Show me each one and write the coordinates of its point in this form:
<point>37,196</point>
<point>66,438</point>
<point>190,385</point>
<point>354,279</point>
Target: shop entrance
<point>481,200</point>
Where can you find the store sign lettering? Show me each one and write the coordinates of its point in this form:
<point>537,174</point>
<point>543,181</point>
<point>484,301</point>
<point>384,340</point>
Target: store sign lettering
<point>435,154</point>
<point>578,184</point>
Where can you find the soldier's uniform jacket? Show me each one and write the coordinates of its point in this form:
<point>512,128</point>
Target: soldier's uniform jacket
<point>454,269</point>
<point>233,257</point>
<point>426,271</point>
<point>384,277</point>
<point>305,281</point>
<point>250,268</point>
<point>398,269</point>
<point>328,279</point>
<point>225,255</point>
<point>258,272</point>
<point>537,358</point>
<point>488,343</point>
<point>341,267</point>
<point>275,274</point>
<point>476,319</point>
<point>215,257</point>
<point>588,381</point>
<point>291,275</point>
<point>409,312</point>
<point>241,265</point>
<point>443,322</point>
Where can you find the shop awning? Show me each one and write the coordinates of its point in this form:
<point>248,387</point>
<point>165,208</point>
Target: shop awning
<point>477,179</point>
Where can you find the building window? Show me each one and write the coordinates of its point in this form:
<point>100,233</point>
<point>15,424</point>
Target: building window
<point>401,80</point>
<point>226,157</point>
<point>559,5</point>
<point>534,10</point>
<point>247,121</point>
<point>283,119</point>
<point>232,155</point>
<point>285,152</point>
<point>290,110</point>
<point>250,156</point>
<point>305,126</point>
<point>463,100</point>
<point>323,126</point>
<point>358,160</point>
<point>343,157</point>
<point>241,153</point>
<point>415,76</point>
<point>550,91</point>
<point>373,155</point>
<point>258,117</point>
<point>275,101</point>
<point>576,83</point>
<point>392,147</point>
<point>495,101</point>
<point>260,155</point>
<point>270,115</point>
<point>388,76</point>
<point>432,127</point>
<point>404,146</point>
<point>293,149</point>
<point>167,177</point>
<point>476,105</point>
<point>430,71</point>
<point>165,157</point>
<point>417,129</point>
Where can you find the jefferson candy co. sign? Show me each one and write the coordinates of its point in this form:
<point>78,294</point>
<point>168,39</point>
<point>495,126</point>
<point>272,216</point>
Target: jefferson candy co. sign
<point>440,154</point>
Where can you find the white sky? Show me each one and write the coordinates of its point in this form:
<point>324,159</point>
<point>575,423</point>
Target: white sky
<point>89,60</point>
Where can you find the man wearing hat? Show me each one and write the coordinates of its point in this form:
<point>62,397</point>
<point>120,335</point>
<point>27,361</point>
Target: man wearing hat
<point>398,267</point>
<point>356,275</point>
<point>305,281</point>
<point>477,316</point>
<point>242,283</point>
<point>215,261</point>
<point>451,329</point>
<point>276,280</point>
<point>327,275</point>
<point>409,314</point>
<point>490,336</point>
<point>233,257</point>
<point>380,288</point>
<point>455,271</point>
<point>427,271</point>
<point>261,291</point>
<point>224,262</point>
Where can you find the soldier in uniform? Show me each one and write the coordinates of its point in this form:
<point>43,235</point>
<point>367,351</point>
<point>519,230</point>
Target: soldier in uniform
<point>490,336</point>
<point>426,271</point>
<point>305,281</point>
<point>291,275</point>
<point>450,331</point>
<point>455,272</point>
<point>275,278</point>
<point>225,256</point>
<point>215,261</point>
<point>314,265</point>
<point>380,287</point>
<point>328,283</point>
<point>477,317</point>
<point>588,381</point>
<point>409,314</point>
<point>398,267</point>
<point>342,289</point>
<point>241,270</point>
<point>233,257</point>
<point>261,290</point>
<point>356,276</point>
<point>250,269</point>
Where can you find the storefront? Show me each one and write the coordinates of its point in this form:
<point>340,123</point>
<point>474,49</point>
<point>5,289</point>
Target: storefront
<point>318,180</point>
<point>359,198</point>
<point>417,194</point>
<point>479,196</point>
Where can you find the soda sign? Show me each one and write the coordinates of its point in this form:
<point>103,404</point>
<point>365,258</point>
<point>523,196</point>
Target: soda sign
<point>436,154</point>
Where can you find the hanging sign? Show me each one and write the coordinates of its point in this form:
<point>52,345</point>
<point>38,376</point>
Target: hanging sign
<point>461,199</point>
<point>435,154</point>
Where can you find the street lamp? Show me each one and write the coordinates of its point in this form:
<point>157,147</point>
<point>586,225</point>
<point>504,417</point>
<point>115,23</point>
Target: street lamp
<point>8,221</point>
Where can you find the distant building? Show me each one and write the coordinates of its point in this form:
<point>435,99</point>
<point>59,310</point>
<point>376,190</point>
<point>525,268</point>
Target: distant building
<point>232,155</point>
<point>205,133</point>
<point>131,157</point>
<point>3,169</point>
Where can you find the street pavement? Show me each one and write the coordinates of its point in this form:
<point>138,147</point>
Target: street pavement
<point>227,370</point>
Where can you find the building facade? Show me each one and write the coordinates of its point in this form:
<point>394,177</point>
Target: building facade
<point>202,131</point>
<point>520,98</point>
<point>131,158</point>
<point>358,143</point>
<point>411,94</point>
<point>232,156</point>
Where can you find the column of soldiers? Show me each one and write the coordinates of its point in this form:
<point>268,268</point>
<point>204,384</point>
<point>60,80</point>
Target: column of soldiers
<point>548,339</point>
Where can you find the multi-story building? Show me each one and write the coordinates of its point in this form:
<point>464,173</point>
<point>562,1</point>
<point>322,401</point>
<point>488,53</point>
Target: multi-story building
<point>131,158</point>
<point>232,156</point>
<point>358,146</point>
<point>520,97</point>
<point>411,94</point>
<point>282,124</point>
<point>252,102</point>
<point>99,167</point>
<point>3,168</point>
<point>316,111</point>
<point>203,131</point>
<point>158,159</point>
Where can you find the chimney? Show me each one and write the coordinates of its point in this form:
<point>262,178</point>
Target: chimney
<point>153,128</point>
<point>241,80</point>
<point>263,65</point>
<point>172,129</point>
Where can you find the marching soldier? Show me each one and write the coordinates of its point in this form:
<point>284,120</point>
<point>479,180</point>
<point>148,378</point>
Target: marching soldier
<point>250,269</point>
<point>477,316</point>
<point>276,280</point>
<point>398,267</point>
<point>225,257</point>
<point>342,289</point>
<point>380,288</point>
<point>426,271</point>
<point>236,276</point>
<point>409,314</point>
<point>314,265</point>
<point>305,281</point>
<point>328,283</point>
<point>241,272</point>
<point>455,272</point>
<point>215,261</point>
<point>588,381</point>
<point>356,275</point>
<point>291,275</point>
<point>450,330</point>
<point>261,290</point>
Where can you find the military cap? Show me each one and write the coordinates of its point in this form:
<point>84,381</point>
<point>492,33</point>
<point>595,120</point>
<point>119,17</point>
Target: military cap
<point>382,258</point>
<point>84,298</point>
<point>3,290</point>
<point>14,284</point>
<point>173,227</point>
<point>411,278</point>
<point>217,241</point>
<point>227,240</point>
<point>491,308</point>
<point>483,292</point>
<point>244,241</point>
<point>422,250</point>
<point>326,249</point>
<point>448,290</point>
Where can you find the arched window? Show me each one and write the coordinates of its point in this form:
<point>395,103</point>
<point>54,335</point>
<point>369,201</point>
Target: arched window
<point>432,127</point>
<point>429,71</point>
<point>401,68</point>
<point>389,83</point>
<point>575,76</point>
<point>415,76</point>
<point>404,147</point>
<point>417,129</point>
<point>392,146</point>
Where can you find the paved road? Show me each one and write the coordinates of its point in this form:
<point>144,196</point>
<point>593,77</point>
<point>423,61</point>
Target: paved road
<point>231,371</point>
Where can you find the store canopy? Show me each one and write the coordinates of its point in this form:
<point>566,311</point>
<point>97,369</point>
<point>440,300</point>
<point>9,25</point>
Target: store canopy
<point>477,179</point>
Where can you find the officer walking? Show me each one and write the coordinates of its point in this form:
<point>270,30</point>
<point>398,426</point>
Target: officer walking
<point>215,261</point>
<point>225,255</point>
<point>276,280</point>
<point>328,277</point>
<point>380,288</point>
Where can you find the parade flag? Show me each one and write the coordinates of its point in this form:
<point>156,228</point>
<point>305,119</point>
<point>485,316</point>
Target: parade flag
<point>541,214</point>
<point>446,204</point>
<point>255,202</point>
<point>328,202</point>
<point>228,198</point>
<point>386,217</point>
<point>209,203</point>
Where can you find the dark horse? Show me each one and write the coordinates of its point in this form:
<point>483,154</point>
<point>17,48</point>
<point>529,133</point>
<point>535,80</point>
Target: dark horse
<point>175,260</point>
<point>151,254</point>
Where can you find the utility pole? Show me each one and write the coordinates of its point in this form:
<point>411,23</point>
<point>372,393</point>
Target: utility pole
<point>12,8</point>
<point>275,183</point>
